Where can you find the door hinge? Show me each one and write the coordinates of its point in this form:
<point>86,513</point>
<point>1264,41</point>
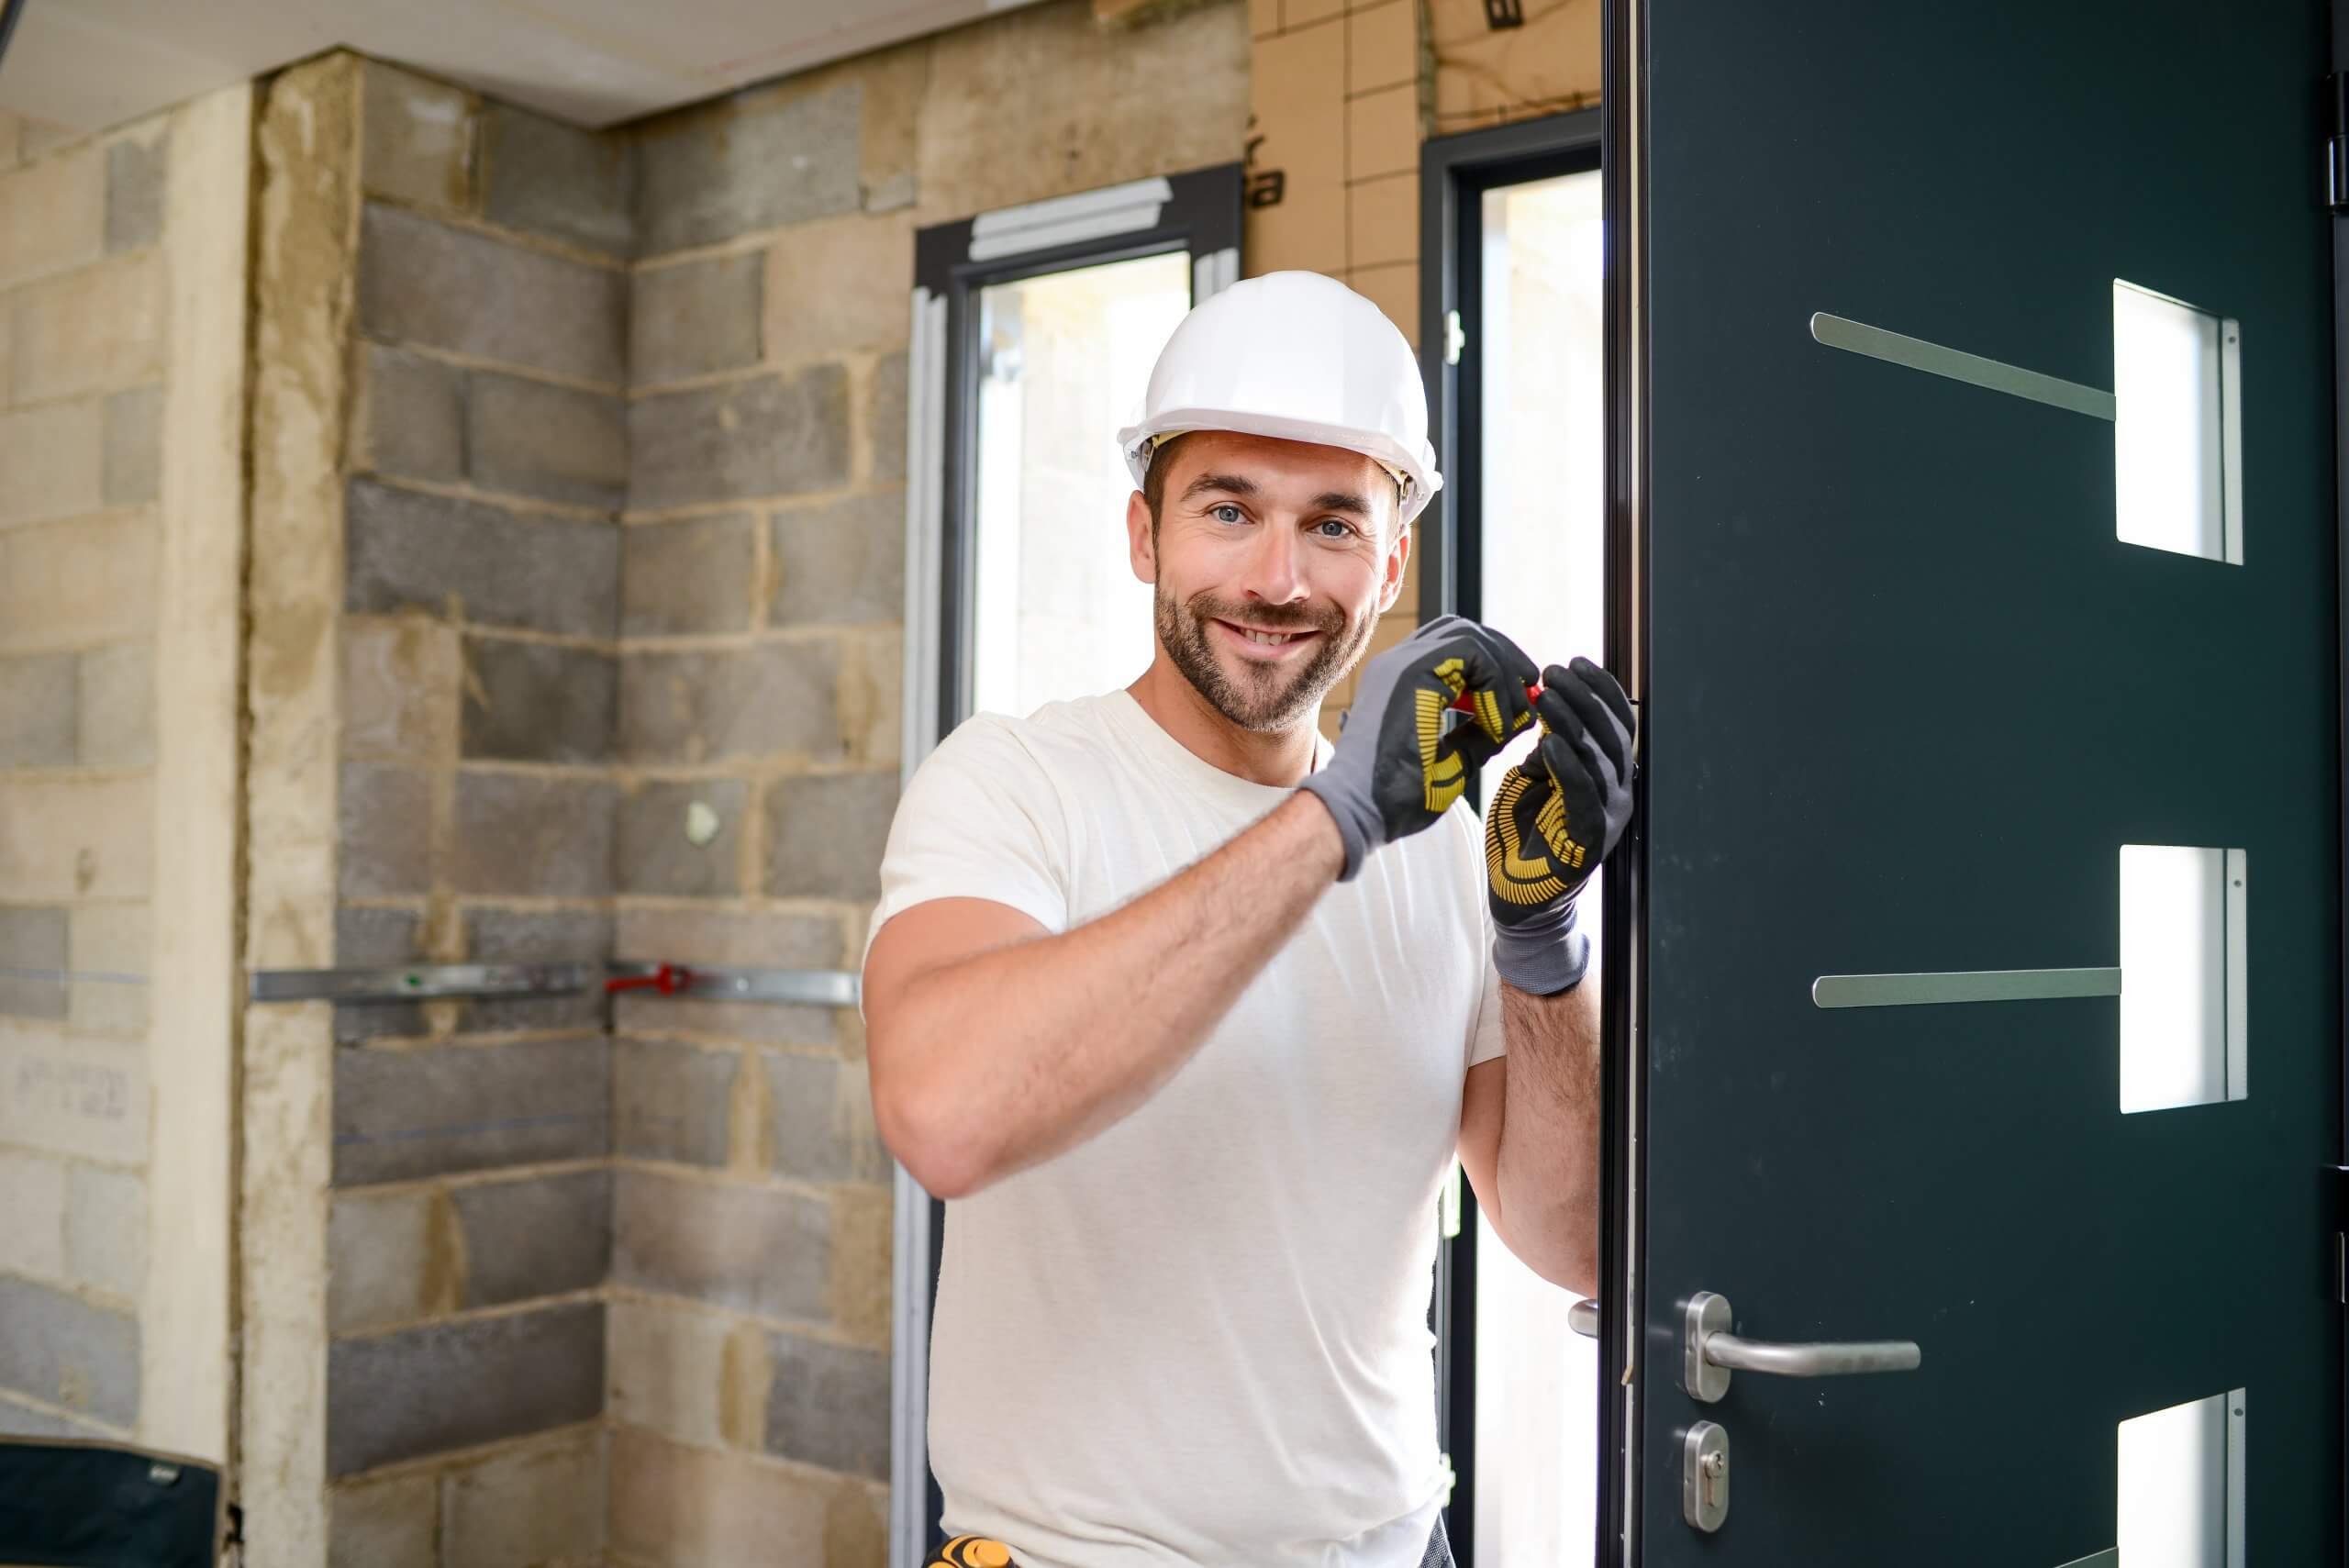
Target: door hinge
<point>2336,141</point>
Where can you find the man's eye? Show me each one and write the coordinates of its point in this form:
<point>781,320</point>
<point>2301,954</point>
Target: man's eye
<point>1334,528</point>
<point>1217,513</point>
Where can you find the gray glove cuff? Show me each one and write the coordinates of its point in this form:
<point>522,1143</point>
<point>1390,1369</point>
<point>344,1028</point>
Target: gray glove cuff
<point>1357,819</point>
<point>1543,956</point>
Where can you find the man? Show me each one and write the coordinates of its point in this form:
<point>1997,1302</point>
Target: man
<point>1185,1011</point>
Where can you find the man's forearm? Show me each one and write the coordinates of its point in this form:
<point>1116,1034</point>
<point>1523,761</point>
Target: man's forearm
<point>1026,1052</point>
<point>1547,1168</point>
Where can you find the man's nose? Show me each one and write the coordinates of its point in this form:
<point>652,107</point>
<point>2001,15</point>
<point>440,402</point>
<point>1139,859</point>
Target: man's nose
<point>1272,570</point>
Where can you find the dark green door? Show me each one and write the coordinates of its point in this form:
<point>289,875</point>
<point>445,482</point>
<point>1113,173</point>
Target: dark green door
<point>1980,592</point>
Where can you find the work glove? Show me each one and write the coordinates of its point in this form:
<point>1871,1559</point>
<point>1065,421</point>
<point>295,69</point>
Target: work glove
<point>1554,817</point>
<point>1397,764</point>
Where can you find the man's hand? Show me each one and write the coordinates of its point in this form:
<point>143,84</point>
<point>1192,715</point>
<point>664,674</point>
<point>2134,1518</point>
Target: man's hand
<point>1395,770</point>
<point>1554,817</point>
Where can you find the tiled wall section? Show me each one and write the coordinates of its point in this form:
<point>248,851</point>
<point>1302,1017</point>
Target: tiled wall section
<point>83,376</point>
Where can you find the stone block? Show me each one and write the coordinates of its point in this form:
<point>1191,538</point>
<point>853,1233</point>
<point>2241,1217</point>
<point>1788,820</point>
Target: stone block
<point>536,701</point>
<point>682,578</point>
<point>666,1364</point>
<point>88,1096</point>
<point>391,1258</point>
<point>825,834</point>
<point>655,855</point>
<point>411,550</point>
<point>32,1222</point>
<point>442,287</point>
<point>840,285</point>
<point>447,1386</point>
<point>873,691</point>
<point>725,937</point>
<point>416,138</point>
<point>538,1236</point>
<point>106,1230</point>
<point>672,1101</point>
<point>528,936</point>
<point>387,1524</point>
<point>694,318</point>
<point>404,1114</point>
<point>540,1505</point>
<point>135,192</point>
<point>385,832</point>
<point>528,834</point>
<point>400,677</point>
<point>752,1249</point>
<point>863,1244</point>
<point>32,946</point>
<point>114,709</point>
<point>408,415</point>
<point>58,209</point>
<point>828,1405</point>
<point>840,562</point>
<point>768,436</point>
<point>769,700</point>
<point>134,447</point>
<point>822,1127</point>
<point>90,330</point>
<point>377,939</point>
<point>527,438</point>
<point>690,1508</point>
<point>36,722</point>
<point>111,947</point>
<point>556,179</point>
<point>62,1350</point>
<point>885,421</point>
<point>895,81</point>
<point>68,839</point>
<point>756,160</point>
<point>53,456</point>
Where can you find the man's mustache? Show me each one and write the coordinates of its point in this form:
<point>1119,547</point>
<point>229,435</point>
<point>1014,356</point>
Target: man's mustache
<point>1265,617</point>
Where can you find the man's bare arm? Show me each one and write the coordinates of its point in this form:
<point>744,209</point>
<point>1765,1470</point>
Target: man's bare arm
<point>994,1047</point>
<point>1529,1134</point>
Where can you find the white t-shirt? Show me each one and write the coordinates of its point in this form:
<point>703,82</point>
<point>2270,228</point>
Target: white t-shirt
<point>1201,1336</point>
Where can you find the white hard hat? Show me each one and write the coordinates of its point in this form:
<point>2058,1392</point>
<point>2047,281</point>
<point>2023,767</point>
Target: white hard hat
<point>1300,357</point>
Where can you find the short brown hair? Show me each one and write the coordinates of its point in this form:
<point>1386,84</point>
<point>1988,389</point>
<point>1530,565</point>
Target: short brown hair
<point>1153,479</point>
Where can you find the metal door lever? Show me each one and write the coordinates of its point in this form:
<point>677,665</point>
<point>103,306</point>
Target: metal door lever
<point>1583,1318</point>
<point>1711,1352</point>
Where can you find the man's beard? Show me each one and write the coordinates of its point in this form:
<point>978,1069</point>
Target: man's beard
<point>1266,697</point>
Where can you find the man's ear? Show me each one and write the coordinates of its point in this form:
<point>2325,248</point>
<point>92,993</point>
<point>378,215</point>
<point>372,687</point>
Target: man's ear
<point>1398,560</point>
<point>1140,547</point>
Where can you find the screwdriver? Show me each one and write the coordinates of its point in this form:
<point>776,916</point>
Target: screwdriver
<point>1466,701</point>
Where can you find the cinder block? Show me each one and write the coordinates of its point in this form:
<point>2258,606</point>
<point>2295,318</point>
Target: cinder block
<point>408,415</point>
<point>773,699</point>
<point>441,287</point>
<point>840,285</point>
<point>36,722</point>
<point>895,81</point>
<point>828,1405</point>
<point>447,1386</point>
<point>53,458</point>
<point>525,834</point>
<point>536,701</point>
<point>134,447</point>
<point>416,138</point>
<point>60,1348</point>
<point>377,939</point>
<point>840,561</point>
<point>111,950</point>
<point>386,830</point>
<point>885,421</point>
<point>526,437</point>
<point>135,192</point>
<point>400,1115</point>
<point>689,1508</point>
<point>63,839</point>
<point>387,1524</point>
<point>391,1258</point>
<point>114,710</point>
<point>825,834</point>
<point>670,1102</point>
<point>823,1128</point>
<point>106,1230</point>
<point>539,1236</point>
<point>553,179</point>
<point>86,1097</point>
<point>32,939</point>
<point>752,1249</point>
<point>64,203</point>
<point>411,550</point>
<point>532,1506</point>
<point>752,161</point>
<point>873,689</point>
<point>772,436</point>
<point>686,577</point>
<point>654,854</point>
<point>529,936</point>
<point>32,1222</point>
<point>666,1362</point>
<point>725,937</point>
<point>399,687</point>
<point>694,318</point>
<point>863,1237</point>
<point>90,330</point>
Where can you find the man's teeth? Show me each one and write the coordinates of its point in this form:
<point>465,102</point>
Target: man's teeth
<point>1274,637</point>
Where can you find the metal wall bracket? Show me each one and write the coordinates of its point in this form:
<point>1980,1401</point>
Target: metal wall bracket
<point>431,981</point>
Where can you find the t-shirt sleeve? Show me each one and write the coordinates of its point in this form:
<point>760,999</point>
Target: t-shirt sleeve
<point>1486,1041</point>
<point>979,819</point>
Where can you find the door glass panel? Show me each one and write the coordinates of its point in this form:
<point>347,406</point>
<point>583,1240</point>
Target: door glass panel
<point>1056,611</point>
<point>2180,1503</point>
<point>2177,484</point>
<point>2182,983</point>
<point>1544,585</point>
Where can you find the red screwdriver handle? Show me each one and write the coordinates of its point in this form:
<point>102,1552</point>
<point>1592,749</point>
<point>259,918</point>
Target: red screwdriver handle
<point>1466,702</point>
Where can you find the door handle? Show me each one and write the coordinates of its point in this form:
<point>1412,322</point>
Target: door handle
<point>1583,1318</point>
<point>1711,1352</point>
